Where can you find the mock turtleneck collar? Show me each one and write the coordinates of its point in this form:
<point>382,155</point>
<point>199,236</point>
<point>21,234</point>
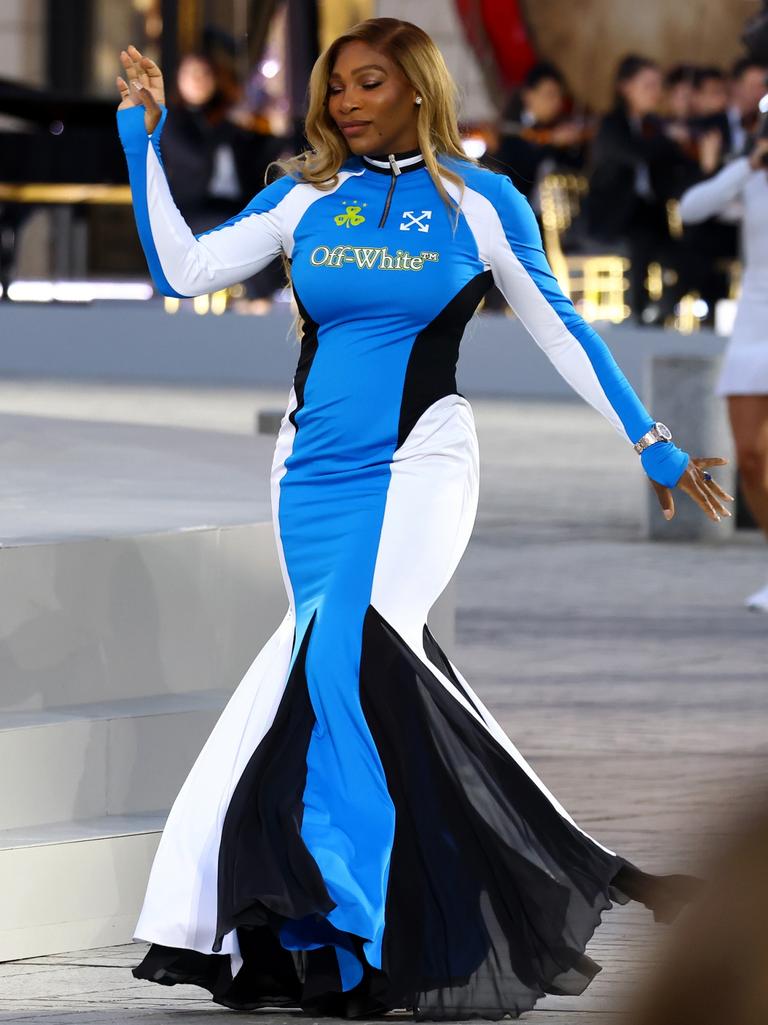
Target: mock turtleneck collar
<point>394,163</point>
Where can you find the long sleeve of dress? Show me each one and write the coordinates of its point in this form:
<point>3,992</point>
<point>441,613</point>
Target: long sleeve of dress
<point>181,263</point>
<point>710,197</point>
<point>520,270</point>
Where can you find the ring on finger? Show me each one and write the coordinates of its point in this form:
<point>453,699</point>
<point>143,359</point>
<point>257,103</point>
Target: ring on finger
<point>705,475</point>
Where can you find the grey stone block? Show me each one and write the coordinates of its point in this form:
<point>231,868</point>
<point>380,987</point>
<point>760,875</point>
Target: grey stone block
<point>268,421</point>
<point>680,391</point>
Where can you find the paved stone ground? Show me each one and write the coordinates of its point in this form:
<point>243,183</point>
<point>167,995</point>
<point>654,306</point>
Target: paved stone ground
<point>627,672</point>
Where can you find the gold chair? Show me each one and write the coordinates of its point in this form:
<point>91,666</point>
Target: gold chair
<point>596,284</point>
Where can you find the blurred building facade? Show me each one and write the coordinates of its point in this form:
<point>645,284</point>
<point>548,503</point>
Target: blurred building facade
<point>22,38</point>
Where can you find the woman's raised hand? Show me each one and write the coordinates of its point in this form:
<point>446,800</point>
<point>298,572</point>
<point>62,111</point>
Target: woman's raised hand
<point>144,86</point>
<point>700,485</point>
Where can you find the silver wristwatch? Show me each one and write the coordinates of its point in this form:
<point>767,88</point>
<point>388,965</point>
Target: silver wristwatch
<point>659,432</point>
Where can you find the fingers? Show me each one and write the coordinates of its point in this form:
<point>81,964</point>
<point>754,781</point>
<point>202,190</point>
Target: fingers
<point>131,59</point>
<point>122,85</point>
<point>129,64</point>
<point>701,499</point>
<point>666,500</point>
<point>131,75</point>
<point>144,82</point>
<point>152,71</point>
<point>709,461</point>
<point>137,86</point>
<point>718,505</point>
<point>141,68</point>
<point>711,486</point>
<point>139,61</point>
<point>149,73</point>
<point>689,483</point>
<point>706,493</point>
<point>142,93</point>
<point>719,491</point>
<point>712,498</point>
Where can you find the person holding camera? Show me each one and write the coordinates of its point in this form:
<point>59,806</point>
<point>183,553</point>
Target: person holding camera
<point>742,186</point>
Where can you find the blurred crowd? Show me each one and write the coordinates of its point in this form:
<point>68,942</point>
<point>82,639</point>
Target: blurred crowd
<point>216,146</point>
<point>666,131</point>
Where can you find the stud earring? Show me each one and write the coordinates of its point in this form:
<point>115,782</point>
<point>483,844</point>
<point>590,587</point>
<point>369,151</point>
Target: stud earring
<point>418,99</point>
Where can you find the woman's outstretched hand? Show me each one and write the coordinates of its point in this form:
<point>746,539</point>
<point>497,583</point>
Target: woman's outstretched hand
<point>706,493</point>
<point>144,86</point>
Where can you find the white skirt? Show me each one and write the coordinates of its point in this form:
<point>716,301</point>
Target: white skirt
<point>744,369</point>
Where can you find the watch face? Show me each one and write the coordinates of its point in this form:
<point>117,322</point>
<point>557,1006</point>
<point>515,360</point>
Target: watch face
<point>664,431</point>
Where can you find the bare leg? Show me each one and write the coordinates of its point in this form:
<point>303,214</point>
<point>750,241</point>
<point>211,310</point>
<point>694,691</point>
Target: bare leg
<point>749,423</point>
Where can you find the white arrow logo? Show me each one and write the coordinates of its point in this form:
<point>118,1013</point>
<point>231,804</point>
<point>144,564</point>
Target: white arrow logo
<point>417,221</point>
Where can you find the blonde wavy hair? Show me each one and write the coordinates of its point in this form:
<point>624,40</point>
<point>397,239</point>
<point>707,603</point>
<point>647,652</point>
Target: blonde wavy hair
<point>422,63</point>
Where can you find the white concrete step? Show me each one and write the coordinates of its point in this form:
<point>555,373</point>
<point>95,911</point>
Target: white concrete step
<point>97,759</point>
<point>84,621</point>
<point>74,885</point>
<point>139,578</point>
<point>88,620</point>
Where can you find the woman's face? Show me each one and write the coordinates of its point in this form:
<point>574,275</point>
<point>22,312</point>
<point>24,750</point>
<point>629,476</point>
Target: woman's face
<point>196,82</point>
<point>643,91</point>
<point>365,87</point>
<point>544,101</point>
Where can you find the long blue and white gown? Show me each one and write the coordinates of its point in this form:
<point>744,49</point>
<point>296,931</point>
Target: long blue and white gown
<point>358,832</point>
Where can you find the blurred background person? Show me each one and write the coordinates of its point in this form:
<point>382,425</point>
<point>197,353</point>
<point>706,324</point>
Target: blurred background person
<point>215,164</point>
<point>725,111</point>
<point>727,106</point>
<point>744,375</point>
<point>540,132</point>
<point>678,94</point>
<point>709,96</point>
<point>694,104</point>
<point>747,86</point>
<point>636,166</point>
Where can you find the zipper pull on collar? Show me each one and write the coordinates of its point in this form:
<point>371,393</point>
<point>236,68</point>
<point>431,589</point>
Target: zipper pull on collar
<point>393,164</point>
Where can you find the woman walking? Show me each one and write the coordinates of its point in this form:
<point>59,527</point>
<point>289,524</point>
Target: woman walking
<point>743,380</point>
<point>358,833</point>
